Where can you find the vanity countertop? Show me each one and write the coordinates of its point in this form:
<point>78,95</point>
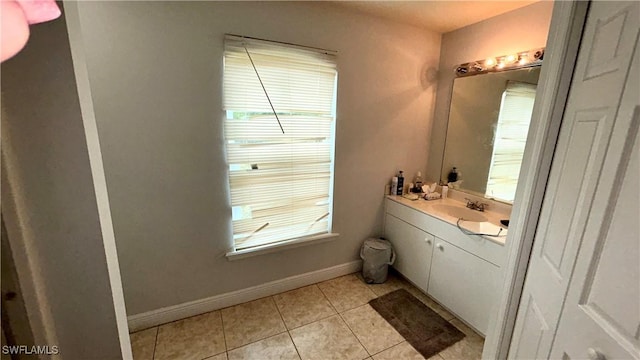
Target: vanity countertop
<point>428,207</point>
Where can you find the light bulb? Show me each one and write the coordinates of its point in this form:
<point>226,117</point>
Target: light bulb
<point>511,58</point>
<point>490,62</point>
<point>500,65</point>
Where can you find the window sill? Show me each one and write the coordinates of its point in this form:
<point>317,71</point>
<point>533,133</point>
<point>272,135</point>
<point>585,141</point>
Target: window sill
<point>284,245</point>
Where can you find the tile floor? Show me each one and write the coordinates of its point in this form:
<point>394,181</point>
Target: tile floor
<point>324,321</point>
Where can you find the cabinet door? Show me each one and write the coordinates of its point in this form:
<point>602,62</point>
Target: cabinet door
<point>464,283</point>
<point>413,249</point>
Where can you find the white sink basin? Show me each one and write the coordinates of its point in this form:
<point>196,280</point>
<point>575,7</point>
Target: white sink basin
<point>460,212</point>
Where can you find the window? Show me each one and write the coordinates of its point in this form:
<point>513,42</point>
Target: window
<point>279,102</point>
<point>511,136</point>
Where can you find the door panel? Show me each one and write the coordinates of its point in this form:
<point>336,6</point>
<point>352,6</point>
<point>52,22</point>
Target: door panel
<point>464,283</point>
<point>582,153</point>
<point>601,314</point>
<point>585,135</point>
<point>413,249</point>
<point>535,326</point>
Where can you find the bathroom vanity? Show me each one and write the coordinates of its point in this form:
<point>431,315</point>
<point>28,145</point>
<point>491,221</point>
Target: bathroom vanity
<point>461,271</point>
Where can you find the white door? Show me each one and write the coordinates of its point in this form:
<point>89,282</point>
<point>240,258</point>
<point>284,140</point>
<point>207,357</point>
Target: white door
<point>584,143</point>
<point>601,315</point>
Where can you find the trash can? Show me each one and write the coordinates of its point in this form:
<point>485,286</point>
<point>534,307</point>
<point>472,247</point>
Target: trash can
<point>377,255</point>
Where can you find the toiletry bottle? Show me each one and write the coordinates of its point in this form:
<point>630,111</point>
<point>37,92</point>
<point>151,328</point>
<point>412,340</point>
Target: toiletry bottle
<point>445,191</point>
<point>418,183</point>
<point>394,185</point>
<point>453,175</point>
<point>400,183</point>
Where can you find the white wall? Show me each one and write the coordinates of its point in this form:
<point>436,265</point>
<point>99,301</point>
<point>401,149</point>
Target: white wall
<point>522,29</point>
<point>49,204</point>
<point>156,78</point>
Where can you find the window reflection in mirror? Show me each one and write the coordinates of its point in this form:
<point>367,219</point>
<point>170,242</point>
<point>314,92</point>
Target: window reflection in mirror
<point>489,120</point>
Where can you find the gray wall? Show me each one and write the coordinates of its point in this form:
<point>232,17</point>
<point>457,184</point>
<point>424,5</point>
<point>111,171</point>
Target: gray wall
<point>49,204</point>
<point>156,79</point>
<point>522,29</point>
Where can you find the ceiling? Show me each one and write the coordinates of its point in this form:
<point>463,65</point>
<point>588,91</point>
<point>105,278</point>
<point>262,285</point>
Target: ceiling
<point>439,16</point>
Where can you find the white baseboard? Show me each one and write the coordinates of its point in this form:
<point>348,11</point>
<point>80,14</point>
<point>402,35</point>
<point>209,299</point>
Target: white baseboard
<point>176,312</point>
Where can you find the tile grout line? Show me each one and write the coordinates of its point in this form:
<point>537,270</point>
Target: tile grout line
<point>264,338</point>
<point>294,345</point>
<point>155,343</point>
<point>311,322</point>
<point>341,317</point>
<point>278,309</point>
<point>327,298</point>
<point>354,334</point>
<point>314,321</point>
<point>224,334</point>
<point>356,276</point>
<point>387,348</point>
<point>403,341</point>
<point>376,353</point>
<point>285,326</point>
<point>273,299</point>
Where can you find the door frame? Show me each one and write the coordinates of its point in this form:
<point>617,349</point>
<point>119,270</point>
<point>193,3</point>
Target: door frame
<point>563,43</point>
<point>15,212</point>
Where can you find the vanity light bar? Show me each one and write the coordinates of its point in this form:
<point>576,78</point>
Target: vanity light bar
<point>518,60</point>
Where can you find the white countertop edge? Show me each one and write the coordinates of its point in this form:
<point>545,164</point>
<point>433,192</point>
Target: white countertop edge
<point>450,219</point>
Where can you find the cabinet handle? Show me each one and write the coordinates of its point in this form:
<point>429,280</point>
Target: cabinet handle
<point>428,241</point>
<point>595,354</point>
<point>440,246</point>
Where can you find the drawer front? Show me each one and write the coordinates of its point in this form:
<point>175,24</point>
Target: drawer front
<point>477,245</point>
<point>407,214</point>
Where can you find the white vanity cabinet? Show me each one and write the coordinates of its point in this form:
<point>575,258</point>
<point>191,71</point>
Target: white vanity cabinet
<point>413,249</point>
<point>464,283</point>
<point>461,272</point>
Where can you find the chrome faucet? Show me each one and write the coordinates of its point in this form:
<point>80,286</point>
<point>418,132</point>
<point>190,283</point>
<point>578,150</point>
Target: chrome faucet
<point>476,205</point>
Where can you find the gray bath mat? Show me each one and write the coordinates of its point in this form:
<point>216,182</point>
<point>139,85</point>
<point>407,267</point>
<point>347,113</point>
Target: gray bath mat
<point>424,329</point>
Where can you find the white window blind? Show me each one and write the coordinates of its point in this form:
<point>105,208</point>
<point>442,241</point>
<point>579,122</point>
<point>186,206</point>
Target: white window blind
<point>280,183</point>
<point>511,136</point>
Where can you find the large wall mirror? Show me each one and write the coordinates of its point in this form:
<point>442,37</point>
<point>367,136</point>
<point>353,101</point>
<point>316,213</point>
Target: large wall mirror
<point>488,124</point>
